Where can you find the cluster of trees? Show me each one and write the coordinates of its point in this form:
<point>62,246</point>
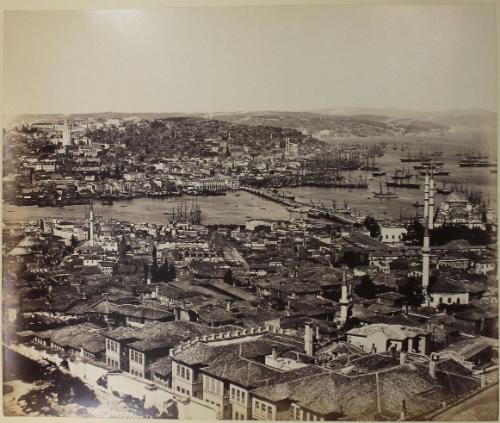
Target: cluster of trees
<point>164,273</point>
<point>447,233</point>
<point>372,225</point>
<point>366,289</point>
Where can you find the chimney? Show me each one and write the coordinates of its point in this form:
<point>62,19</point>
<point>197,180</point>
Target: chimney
<point>484,381</point>
<point>403,410</point>
<point>402,358</point>
<point>275,352</point>
<point>432,369</point>
<point>308,339</point>
<point>433,365</point>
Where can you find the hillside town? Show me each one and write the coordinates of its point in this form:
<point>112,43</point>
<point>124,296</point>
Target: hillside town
<point>322,316</point>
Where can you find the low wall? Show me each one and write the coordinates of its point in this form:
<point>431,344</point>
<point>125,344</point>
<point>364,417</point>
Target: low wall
<point>88,372</point>
<point>194,409</point>
<point>154,395</point>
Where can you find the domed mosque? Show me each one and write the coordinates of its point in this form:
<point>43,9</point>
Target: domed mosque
<point>457,209</point>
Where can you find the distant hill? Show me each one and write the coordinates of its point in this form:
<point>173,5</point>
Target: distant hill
<point>30,118</point>
<point>346,125</point>
<point>460,118</point>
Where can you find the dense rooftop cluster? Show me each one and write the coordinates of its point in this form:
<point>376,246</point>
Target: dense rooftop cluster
<point>269,320</point>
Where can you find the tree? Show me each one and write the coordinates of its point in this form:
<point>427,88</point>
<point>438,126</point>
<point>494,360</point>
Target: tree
<point>366,288</point>
<point>351,258</point>
<point>413,292</point>
<point>172,273</point>
<point>372,225</point>
<point>228,277</point>
<point>74,241</point>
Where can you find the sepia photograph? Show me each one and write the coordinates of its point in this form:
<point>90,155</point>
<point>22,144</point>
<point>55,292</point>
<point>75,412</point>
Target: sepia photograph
<point>260,211</point>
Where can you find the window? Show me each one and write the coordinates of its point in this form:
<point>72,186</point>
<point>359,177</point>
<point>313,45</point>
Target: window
<point>178,370</point>
<point>269,412</point>
<point>183,373</point>
<point>188,374</point>
<point>257,404</point>
<point>232,394</point>
<point>263,407</point>
<point>449,300</point>
<point>236,415</point>
<point>242,396</point>
<point>458,300</point>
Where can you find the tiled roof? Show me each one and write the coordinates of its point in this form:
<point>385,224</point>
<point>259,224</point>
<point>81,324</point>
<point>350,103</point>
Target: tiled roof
<point>163,366</point>
<point>243,372</point>
<point>391,331</point>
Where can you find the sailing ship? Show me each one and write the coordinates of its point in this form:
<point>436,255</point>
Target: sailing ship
<point>402,179</point>
<point>181,214</point>
<point>438,171</point>
<point>401,174</point>
<point>382,194</point>
<point>443,189</point>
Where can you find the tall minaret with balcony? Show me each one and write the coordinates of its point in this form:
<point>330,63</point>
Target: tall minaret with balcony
<point>91,224</point>
<point>431,201</point>
<point>426,251</point>
<point>345,299</point>
<point>426,197</point>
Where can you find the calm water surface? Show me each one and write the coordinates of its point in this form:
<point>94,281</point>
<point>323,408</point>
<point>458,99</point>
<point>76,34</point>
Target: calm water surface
<point>237,207</point>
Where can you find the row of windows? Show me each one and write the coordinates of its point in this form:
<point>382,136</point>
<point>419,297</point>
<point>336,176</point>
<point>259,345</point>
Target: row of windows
<point>212,402</point>
<point>295,415</point>
<point>88,355</point>
<point>183,391</point>
<point>441,300</point>
<point>239,416</point>
<point>238,395</point>
<point>136,356</point>
<point>136,373</point>
<point>183,372</point>
<point>212,385</point>
<point>112,363</point>
<point>111,345</point>
<point>260,409</point>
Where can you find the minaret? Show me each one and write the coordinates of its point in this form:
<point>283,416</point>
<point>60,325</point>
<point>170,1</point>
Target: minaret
<point>431,201</point>
<point>426,250</point>
<point>344,299</point>
<point>91,224</point>
<point>426,196</point>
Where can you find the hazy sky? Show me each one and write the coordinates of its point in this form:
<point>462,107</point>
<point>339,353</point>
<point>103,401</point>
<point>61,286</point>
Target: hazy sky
<point>424,57</point>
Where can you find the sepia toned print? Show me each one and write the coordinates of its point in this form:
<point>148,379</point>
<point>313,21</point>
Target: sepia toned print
<point>251,213</point>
